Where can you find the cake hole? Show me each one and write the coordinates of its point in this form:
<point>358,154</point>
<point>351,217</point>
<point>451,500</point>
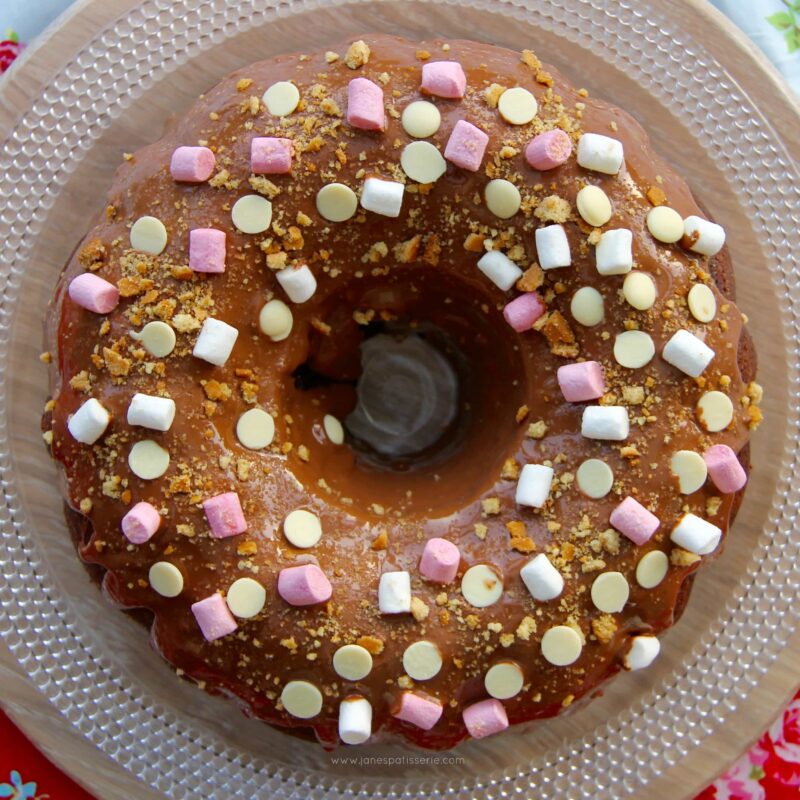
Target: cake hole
<point>427,378</point>
<point>408,396</point>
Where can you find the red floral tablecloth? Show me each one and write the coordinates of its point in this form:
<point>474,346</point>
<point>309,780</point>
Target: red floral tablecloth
<point>769,771</point>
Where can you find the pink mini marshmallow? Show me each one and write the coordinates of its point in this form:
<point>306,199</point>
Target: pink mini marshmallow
<point>581,381</point>
<point>485,718</point>
<point>633,520</point>
<point>304,585</point>
<point>214,617</point>
<point>271,155</point>
<point>444,79</point>
<point>440,560</point>
<point>466,146</point>
<point>424,712</point>
<point>365,105</point>
<point>548,150</point>
<point>207,250</point>
<point>192,164</point>
<point>140,523</point>
<point>724,469</point>
<point>93,293</point>
<point>523,311</point>
<point>224,515</point>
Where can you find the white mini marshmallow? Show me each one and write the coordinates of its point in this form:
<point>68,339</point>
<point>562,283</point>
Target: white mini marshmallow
<point>696,535</point>
<point>600,153</point>
<point>89,422</point>
<point>382,197</point>
<point>542,579</point>
<point>533,487</point>
<point>706,238</point>
<point>613,254</point>
<point>299,283</point>
<point>605,422</point>
<point>642,652</point>
<point>552,247</point>
<point>215,342</point>
<point>355,720</point>
<point>151,412</point>
<point>394,593</point>
<point>688,353</point>
<point>499,269</point>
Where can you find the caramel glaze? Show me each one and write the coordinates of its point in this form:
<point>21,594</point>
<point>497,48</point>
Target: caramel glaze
<point>356,498</point>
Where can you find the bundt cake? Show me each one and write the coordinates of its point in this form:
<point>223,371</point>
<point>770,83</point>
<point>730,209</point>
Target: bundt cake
<point>403,384</point>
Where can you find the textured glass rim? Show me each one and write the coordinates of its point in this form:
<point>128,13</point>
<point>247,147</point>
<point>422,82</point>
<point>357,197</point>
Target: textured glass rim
<point>632,35</point>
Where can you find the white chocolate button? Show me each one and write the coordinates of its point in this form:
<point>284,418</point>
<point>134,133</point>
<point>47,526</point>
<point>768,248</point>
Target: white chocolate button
<point>422,660</point>
<point>281,98</point>
<point>157,338</point>
<point>333,429</point>
<point>481,586</point>
<point>610,592</point>
<point>252,213</point>
<point>336,202</point>
<point>595,478</point>
<point>166,579</point>
<point>502,198</point>
<point>633,349</point>
<point>665,224</point>
<point>423,162</point>
<point>561,645</point>
<point>421,119</point>
<point>245,598</point>
<point>690,470</point>
<point>594,206</point>
<point>652,569</point>
<point>255,429</point>
<point>715,411</point>
<point>517,106</point>
<point>702,303</point>
<point>301,699</point>
<point>148,460</point>
<point>587,306</point>
<point>275,320</point>
<point>352,662</point>
<point>504,680</point>
<point>639,290</point>
<point>302,528</point>
<point>149,235</point>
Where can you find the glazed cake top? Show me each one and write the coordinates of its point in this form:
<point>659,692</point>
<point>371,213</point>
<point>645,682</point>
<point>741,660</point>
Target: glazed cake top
<point>518,226</point>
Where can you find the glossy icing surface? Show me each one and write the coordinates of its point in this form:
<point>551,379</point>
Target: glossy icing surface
<point>414,274</point>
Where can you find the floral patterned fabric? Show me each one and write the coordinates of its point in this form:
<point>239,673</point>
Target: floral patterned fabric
<point>10,48</point>
<point>769,771</point>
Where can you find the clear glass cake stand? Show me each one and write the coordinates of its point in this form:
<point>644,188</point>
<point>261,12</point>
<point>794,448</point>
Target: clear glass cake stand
<point>113,94</point>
